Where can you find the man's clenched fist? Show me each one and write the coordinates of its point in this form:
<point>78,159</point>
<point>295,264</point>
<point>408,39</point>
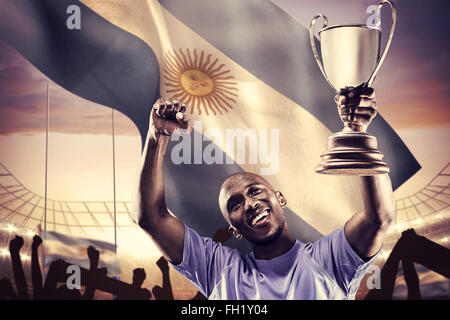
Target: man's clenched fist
<point>356,106</point>
<point>168,116</point>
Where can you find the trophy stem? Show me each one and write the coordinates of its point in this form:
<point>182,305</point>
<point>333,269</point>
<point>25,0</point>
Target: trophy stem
<point>352,153</point>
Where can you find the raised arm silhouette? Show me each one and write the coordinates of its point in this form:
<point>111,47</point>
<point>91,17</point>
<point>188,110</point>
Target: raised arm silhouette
<point>411,279</point>
<point>19,276</point>
<point>36,274</point>
<point>164,292</point>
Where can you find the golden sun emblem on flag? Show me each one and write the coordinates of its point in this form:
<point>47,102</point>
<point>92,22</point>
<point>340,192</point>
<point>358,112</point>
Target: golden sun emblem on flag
<point>197,81</point>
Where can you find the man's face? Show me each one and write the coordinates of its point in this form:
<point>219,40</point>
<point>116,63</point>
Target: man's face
<point>251,205</point>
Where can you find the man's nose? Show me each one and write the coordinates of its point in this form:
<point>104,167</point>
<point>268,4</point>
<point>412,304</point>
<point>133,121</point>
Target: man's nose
<point>252,205</point>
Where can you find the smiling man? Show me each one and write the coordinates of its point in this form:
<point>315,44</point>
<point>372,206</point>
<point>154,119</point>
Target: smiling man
<point>279,267</point>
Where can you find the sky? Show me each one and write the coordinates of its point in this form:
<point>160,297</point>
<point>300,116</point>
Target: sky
<point>412,90</point>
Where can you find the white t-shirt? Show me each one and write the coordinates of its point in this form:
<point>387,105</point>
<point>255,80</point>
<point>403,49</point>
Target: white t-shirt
<point>326,269</point>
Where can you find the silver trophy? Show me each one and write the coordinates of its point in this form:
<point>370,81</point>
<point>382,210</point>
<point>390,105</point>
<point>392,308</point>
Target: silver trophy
<point>351,58</point>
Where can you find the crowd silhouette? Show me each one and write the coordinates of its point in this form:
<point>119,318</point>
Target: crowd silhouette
<point>409,248</point>
<point>93,278</point>
<point>54,287</point>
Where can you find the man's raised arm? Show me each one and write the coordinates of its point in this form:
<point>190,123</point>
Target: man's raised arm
<point>166,230</point>
<point>365,230</point>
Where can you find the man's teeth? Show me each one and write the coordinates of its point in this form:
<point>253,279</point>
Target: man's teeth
<point>259,216</point>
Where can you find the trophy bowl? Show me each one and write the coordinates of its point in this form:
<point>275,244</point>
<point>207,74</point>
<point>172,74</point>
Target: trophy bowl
<point>351,59</point>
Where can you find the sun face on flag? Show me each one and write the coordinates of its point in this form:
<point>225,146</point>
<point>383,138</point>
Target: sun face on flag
<point>199,81</point>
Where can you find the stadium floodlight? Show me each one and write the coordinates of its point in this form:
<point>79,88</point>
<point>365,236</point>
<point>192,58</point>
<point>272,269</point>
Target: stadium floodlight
<point>4,252</point>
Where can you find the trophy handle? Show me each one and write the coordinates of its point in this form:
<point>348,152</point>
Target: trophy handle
<point>388,43</point>
<point>313,44</point>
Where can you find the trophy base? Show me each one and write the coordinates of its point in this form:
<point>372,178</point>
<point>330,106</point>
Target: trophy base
<point>352,153</point>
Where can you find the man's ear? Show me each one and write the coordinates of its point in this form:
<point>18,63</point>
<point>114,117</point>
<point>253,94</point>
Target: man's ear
<point>281,199</point>
<point>235,232</point>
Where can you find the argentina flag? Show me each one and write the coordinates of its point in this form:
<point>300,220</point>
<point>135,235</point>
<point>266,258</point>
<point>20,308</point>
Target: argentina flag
<point>258,101</point>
